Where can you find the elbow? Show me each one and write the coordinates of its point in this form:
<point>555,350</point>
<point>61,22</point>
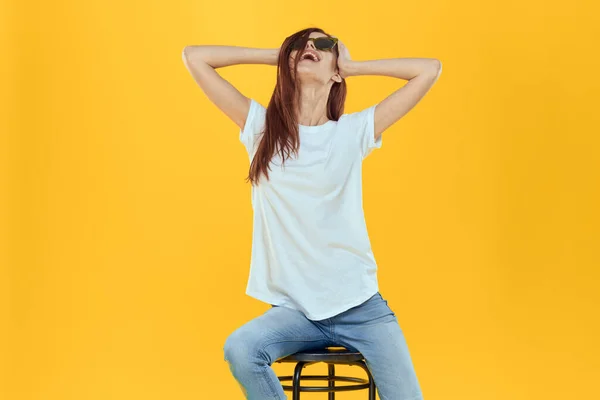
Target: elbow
<point>436,69</point>
<point>184,57</point>
<point>436,65</point>
<point>193,53</point>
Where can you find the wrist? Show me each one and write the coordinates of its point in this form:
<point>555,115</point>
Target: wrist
<point>351,68</point>
<point>273,56</point>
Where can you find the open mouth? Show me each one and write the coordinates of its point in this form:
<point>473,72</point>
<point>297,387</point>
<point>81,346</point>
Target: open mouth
<point>310,56</point>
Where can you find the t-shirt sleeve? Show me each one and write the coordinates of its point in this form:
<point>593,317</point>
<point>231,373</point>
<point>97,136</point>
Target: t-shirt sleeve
<point>253,127</point>
<point>364,123</point>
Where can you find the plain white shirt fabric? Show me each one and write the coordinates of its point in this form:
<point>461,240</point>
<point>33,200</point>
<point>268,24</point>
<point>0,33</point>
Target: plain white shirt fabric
<point>310,246</point>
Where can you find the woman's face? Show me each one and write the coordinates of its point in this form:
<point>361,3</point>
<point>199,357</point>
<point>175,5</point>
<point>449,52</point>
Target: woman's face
<point>322,70</point>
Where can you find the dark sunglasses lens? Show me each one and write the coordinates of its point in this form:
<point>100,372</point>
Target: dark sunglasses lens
<point>324,43</point>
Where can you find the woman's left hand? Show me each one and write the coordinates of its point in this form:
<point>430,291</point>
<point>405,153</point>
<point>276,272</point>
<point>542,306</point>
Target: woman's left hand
<point>344,61</point>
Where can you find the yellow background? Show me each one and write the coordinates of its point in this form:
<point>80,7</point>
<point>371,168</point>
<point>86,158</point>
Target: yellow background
<point>126,221</point>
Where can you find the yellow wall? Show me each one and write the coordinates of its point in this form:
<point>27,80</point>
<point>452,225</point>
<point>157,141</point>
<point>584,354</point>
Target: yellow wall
<point>127,221</point>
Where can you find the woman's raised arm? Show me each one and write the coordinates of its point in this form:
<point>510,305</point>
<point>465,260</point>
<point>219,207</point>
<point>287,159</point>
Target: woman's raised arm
<point>202,62</point>
<point>421,74</point>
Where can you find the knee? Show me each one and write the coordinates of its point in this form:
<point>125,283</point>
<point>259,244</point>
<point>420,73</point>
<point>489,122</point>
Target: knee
<point>231,347</point>
<point>238,349</point>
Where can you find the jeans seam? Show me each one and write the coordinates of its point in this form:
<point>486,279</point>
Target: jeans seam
<point>332,332</point>
<point>274,389</point>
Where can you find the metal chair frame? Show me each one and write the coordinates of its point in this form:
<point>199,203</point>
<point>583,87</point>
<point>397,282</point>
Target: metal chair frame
<point>330,357</point>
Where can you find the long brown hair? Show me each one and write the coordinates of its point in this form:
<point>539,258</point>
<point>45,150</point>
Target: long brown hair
<point>281,125</point>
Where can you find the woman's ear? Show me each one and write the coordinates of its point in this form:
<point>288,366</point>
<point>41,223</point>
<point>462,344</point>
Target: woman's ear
<point>337,78</point>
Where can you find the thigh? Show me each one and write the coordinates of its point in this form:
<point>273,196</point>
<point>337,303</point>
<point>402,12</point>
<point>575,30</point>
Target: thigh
<point>373,329</point>
<point>278,332</point>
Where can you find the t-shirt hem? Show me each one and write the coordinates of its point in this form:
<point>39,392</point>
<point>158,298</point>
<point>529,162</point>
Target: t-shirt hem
<point>373,143</point>
<point>342,309</point>
<point>260,297</point>
<point>323,316</point>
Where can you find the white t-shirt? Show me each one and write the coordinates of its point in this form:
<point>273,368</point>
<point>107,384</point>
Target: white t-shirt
<point>310,246</point>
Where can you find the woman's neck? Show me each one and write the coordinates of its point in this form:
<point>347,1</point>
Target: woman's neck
<point>313,104</point>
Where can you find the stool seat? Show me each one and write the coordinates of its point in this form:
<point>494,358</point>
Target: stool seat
<point>330,355</point>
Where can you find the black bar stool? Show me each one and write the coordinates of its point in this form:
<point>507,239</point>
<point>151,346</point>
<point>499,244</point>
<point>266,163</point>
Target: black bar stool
<point>330,356</point>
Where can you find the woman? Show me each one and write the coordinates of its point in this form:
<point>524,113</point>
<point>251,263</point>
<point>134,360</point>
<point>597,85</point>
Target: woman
<point>311,257</point>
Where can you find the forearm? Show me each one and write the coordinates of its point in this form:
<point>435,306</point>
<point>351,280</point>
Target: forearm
<point>218,56</point>
<point>403,68</point>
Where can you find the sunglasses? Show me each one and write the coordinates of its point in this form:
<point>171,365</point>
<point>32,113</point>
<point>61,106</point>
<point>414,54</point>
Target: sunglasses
<point>321,43</point>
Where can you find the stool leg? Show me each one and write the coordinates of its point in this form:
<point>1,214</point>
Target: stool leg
<point>331,370</point>
<point>296,380</point>
<point>372,388</point>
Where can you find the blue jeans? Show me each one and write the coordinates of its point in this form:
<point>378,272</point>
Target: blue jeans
<point>370,328</point>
